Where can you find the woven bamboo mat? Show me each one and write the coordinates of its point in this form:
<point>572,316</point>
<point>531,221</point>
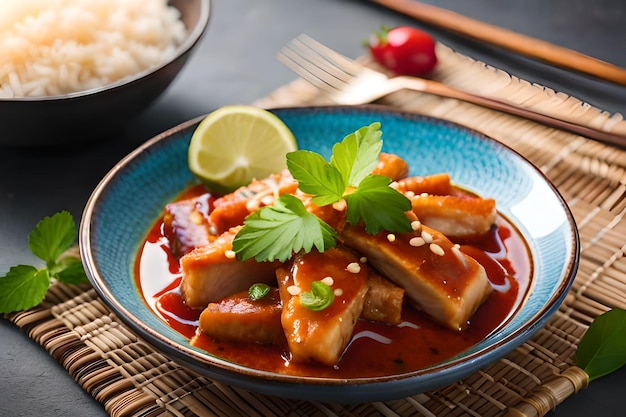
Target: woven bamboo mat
<point>130,378</point>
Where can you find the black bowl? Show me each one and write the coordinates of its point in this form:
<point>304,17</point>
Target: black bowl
<point>54,120</point>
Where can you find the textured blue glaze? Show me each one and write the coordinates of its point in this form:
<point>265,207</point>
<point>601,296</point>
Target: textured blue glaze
<point>132,195</point>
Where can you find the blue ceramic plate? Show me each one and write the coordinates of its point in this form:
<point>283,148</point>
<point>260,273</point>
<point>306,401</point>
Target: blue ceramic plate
<point>131,197</point>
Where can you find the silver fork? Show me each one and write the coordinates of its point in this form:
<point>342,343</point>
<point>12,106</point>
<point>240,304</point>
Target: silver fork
<point>348,82</point>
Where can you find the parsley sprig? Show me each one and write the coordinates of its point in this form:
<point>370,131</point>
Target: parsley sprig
<point>25,286</point>
<point>277,232</point>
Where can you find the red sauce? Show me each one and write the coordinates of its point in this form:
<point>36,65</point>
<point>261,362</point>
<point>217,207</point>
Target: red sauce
<point>376,349</point>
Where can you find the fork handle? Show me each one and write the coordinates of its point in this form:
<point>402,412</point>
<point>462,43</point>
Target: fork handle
<point>443,90</point>
<point>513,41</point>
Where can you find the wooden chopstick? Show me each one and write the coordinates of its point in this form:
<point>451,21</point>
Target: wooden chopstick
<point>513,41</point>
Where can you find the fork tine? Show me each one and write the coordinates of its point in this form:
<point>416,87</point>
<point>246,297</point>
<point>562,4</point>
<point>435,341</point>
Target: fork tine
<point>321,66</point>
<point>342,62</point>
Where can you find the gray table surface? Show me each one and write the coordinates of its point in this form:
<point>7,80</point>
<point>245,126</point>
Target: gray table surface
<point>236,63</point>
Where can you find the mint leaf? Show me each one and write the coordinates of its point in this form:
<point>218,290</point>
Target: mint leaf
<point>315,176</point>
<point>23,287</point>
<point>356,155</point>
<point>379,206</point>
<point>69,270</point>
<point>276,232</point>
<point>52,236</point>
<point>602,348</point>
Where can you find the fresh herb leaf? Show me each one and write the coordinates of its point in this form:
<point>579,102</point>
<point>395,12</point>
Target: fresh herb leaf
<point>356,155</point>
<point>258,291</point>
<point>316,176</point>
<point>320,297</point>
<point>25,286</point>
<point>276,232</point>
<point>602,348</point>
<point>379,206</point>
<point>52,236</point>
<point>69,270</point>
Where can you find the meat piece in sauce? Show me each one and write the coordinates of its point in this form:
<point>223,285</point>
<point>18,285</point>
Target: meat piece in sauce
<point>383,300</point>
<point>438,278</point>
<point>186,224</point>
<point>438,184</point>
<point>456,216</point>
<point>231,209</point>
<point>322,335</point>
<point>391,166</point>
<point>238,318</point>
<point>211,272</point>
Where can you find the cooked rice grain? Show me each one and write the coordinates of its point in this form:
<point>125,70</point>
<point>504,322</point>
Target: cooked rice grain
<point>52,47</point>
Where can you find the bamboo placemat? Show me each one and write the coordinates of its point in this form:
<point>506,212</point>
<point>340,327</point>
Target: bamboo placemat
<point>131,378</point>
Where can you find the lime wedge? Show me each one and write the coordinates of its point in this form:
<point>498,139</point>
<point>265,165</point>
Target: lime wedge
<point>235,144</point>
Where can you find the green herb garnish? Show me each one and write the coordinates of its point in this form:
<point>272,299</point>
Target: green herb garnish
<point>258,291</point>
<point>276,232</point>
<point>25,286</point>
<point>602,349</point>
<point>320,297</point>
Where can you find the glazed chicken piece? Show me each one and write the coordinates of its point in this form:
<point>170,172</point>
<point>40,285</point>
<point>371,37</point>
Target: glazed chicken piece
<point>186,224</point>
<point>456,216</point>
<point>231,209</point>
<point>211,272</point>
<point>391,166</point>
<point>437,277</point>
<point>383,300</point>
<point>438,184</point>
<point>238,318</point>
<point>322,335</point>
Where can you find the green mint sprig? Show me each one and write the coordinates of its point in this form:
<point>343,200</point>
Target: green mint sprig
<point>25,286</point>
<point>277,232</point>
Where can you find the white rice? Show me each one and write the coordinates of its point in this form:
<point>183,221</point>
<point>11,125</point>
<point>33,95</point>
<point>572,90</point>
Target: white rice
<point>51,47</point>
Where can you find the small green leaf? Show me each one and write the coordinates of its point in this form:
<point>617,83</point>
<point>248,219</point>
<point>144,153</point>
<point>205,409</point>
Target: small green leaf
<point>69,270</point>
<point>357,154</point>
<point>52,236</point>
<point>602,349</point>
<point>258,291</point>
<point>23,287</point>
<point>276,232</point>
<point>379,206</point>
<point>320,297</point>
<point>315,176</point>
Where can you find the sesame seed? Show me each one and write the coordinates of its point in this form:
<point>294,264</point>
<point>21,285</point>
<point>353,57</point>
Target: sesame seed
<point>436,249</point>
<point>363,260</point>
<point>252,205</point>
<point>424,195</point>
<point>391,237</point>
<point>353,267</point>
<point>417,242</point>
<point>196,217</point>
<point>328,281</point>
<point>409,194</point>
<point>340,205</point>
<point>338,292</point>
<point>428,238</point>
<point>416,225</point>
<point>294,290</point>
<point>230,254</point>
